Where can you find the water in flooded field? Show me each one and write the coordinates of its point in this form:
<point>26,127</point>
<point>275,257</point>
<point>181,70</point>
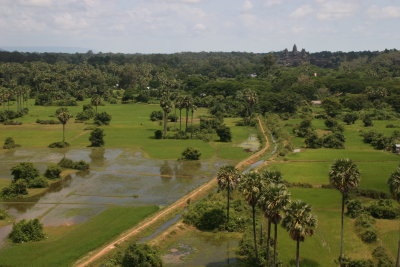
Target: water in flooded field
<point>116,177</point>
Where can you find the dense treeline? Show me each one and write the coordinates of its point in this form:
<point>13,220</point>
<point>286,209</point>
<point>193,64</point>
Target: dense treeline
<point>280,83</point>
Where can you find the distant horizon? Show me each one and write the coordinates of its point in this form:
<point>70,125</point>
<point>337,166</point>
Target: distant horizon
<point>82,50</point>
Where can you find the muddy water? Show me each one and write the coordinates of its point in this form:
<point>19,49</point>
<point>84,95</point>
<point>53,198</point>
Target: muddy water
<point>116,177</point>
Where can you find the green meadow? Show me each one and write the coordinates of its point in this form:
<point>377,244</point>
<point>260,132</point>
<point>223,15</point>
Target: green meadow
<point>66,244</point>
<point>130,128</point>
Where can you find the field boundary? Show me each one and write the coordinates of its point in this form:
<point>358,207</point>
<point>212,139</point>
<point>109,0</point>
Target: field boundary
<point>179,204</point>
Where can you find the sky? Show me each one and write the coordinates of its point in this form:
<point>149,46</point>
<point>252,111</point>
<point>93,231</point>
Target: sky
<point>167,26</point>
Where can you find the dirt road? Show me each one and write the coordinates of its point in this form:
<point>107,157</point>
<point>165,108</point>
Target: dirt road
<point>179,204</point>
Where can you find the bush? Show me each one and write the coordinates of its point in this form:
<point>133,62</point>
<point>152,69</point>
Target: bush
<point>77,165</point>
<point>313,141</point>
<point>25,171</point>
<point>3,214</point>
<point>206,215</point>
<point>141,255</point>
<point>367,122</point>
<point>191,153</point>
<point>15,189</point>
<point>9,143</point>
<point>47,121</point>
<point>38,182</point>
<point>368,235</point>
<point>25,231</point>
<point>96,137</point>
<point>85,115</point>
<point>382,259</point>
<point>333,141</point>
<point>102,118</point>
<point>304,129</point>
<point>59,144</point>
<point>331,122</point>
<point>156,115</point>
<point>53,172</point>
<point>354,208</point>
<point>158,134</point>
<point>350,118</point>
<point>364,221</point>
<point>65,102</point>
<point>383,209</point>
<point>224,134</point>
<point>370,193</point>
<point>347,262</point>
<point>12,123</point>
<point>172,117</point>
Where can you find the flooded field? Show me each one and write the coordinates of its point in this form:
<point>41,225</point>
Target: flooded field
<point>117,177</point>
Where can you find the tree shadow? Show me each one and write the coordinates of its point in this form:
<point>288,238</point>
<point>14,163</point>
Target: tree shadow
<point>305,263</point>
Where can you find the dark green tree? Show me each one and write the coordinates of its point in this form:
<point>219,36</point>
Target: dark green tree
<point>96,137</point>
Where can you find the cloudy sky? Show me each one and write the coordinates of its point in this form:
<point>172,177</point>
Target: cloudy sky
<point>148,26</point>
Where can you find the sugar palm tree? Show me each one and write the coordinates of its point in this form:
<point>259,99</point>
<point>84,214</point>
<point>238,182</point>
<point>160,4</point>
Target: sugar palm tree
<point>179,104</point>
<point>272,176</point>
<point>64,117</point>
<point>228,177</point>
<point>187,103</point>
<point>193,107</point>
<point>394,187</point>
<point>344,176</point>
<point>275,197</point>
<point>95,101</point>
<point>300,223</point>
<point>166,106</point>
<point>251,188</point>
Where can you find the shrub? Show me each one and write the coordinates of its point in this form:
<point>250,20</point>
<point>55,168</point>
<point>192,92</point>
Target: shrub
<point>333,141</point>
<point>38,182</point>
<point>331,122</point>
<point>370,193</point>
<point>347,262</point>
<point>350,118</point>
<point>102,118</point>
<point>172,117</point>
<point>12,123</point>
<point>191,153</point>
<point>364,221</point>
<point>367,121</point>
<point>9,143</point>
<point>15,189</point>
<point>383,209</point>
<point>368,235</point>
<point>53,172</point>
<point>141,255</point>
<point>382,259</point>
<point>3,214</point>
<point>156,115</point>
<point>206,215</point>
<point>47,121</point>
<point>158,134</point>
<point>70,164</point>
<point>65,102</point>
<point>392,126</point>
<point>25,171</point>
<point>59,144</point>
<point>304,129</point>
<point>85,115</point>
<point>224,134</point>
<point>96,137</point>
<point>354,208</point>
<point>25,231</point>
<point>313,141</point>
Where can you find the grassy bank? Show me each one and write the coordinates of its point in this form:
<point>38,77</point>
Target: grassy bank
<point>65,245</point>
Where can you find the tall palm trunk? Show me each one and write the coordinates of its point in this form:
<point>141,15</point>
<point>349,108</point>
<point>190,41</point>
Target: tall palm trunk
<point>165,124</point>
<point>175,117</point>
<point>180,119</point>
<point>191,126</point>
<point>342,230</point>
<point>275,241</point>
<point>187,118</point>
<point>268,238</point>
<point>63,133</point>
<point>227,206</point>
<point>298,253</point>
<point>254,230</point>
<point>398,254</point>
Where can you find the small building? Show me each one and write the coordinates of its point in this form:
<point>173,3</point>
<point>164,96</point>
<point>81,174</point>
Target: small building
<point>316,102</point>
<point>397,147</point>
<point>253,75</point>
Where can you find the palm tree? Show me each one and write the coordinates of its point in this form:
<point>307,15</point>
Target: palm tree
<point>251,188</point>
<point>166,106</point>
<point>187,103</point>
<point>344,176</point>
<point>272,176</point>
<point>64,117</point>
<point>96,100</point>
<point>179,104</point>
<point>300,223</point>
<point>275,197</point>
<point>394,187</point>
<point>193,107</point>
<point>228,177</point>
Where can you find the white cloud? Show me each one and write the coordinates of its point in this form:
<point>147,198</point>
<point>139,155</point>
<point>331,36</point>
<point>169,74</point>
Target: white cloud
<point>302,12</point>
<point>387,12</point>
<point>38,3</point>
<point>247,5</point>
<point>331,10</point>
<point>199,27</point>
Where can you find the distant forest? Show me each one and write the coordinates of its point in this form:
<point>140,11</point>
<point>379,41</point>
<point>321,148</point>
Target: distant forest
<point>283,81</point>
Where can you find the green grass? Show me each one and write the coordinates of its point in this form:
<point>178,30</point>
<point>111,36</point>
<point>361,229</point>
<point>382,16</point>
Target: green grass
<point>63,247</point>
<point>130,128</point>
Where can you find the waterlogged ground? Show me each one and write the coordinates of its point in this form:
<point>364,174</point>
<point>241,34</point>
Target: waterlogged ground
<point>117,177</point>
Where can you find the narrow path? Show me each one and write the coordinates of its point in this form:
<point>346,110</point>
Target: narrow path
<point>179,204</point>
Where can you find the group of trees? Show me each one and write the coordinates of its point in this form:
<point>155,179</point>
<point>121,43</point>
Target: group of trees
<point>267,192</point>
